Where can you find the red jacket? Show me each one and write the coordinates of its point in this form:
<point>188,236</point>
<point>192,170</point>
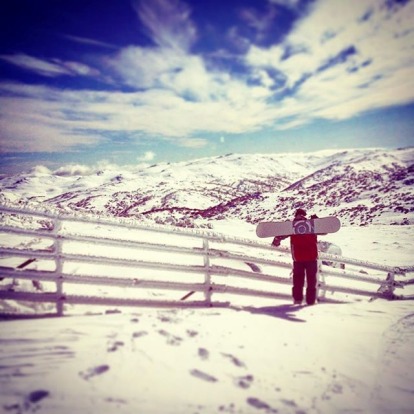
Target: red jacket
<point>304,247</point>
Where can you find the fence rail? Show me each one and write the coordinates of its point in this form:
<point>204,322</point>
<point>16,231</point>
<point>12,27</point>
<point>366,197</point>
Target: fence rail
<point>70,251</point>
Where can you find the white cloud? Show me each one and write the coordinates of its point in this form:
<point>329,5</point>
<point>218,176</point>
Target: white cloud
<point>51,67</point>
<point>169,69</point>
<point>40,170</point>
<point>87,41</point>
<point>142,67</point>
<point>291,4</point>
<point>73,169</point>
<point>39,66</point>
<point>168,23</point>
<point>186,75</point>
<point>147,156</point>
<point>260,22</point>
<point>76,68</point>
<point>192,142</point>
<point>37,119</point>
<point>178,96</point>
<point>325,83</point>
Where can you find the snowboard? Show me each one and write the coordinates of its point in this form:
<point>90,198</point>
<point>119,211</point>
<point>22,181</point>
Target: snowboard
<point>288,228</point>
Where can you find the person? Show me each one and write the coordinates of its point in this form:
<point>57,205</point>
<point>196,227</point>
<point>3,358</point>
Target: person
<point>304,250</point>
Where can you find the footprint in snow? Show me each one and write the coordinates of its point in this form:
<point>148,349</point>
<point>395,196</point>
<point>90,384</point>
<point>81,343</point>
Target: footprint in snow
<point>203,376</point>
<point>227,409</point>
<point>36,396</point>
<point>171,339</point>
<point>139,334</point>
<point>112,347</point>
<point>260,405</point>
<point>94,371</point>
<point>235,361</point>
<point>30,402</point>
<point>203,353</point>
<point>168,317</point>
<point>244,382</point>
<point>289,403</point>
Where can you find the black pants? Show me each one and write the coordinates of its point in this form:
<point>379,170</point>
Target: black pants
<point>300,270</point>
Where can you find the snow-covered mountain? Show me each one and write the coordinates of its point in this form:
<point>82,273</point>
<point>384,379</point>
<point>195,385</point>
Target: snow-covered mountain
<point>361,186</point>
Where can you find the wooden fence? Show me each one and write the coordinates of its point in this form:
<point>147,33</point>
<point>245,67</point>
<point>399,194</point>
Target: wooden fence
<point>80,260</point>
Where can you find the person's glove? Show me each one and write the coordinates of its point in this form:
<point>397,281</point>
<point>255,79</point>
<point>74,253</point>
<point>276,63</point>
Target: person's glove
<point>276,242</point>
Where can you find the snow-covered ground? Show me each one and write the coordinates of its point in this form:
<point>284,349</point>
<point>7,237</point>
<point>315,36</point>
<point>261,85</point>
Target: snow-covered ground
<point>328,358</point>
<point>321,359</point>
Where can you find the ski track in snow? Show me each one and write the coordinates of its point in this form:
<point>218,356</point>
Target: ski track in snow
<point>398,340</point>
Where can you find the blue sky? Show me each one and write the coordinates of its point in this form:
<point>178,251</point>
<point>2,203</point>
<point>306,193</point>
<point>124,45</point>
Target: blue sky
<point>143,81</point>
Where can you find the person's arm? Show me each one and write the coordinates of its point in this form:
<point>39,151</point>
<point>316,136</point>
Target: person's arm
<point>276,241</point>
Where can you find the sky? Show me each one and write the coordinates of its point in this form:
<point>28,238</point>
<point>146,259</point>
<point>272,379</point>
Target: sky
<point>126,82</point>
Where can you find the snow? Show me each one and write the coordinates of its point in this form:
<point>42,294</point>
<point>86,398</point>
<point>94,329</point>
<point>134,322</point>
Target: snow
<point>254,356</point>
<point>327,358</point>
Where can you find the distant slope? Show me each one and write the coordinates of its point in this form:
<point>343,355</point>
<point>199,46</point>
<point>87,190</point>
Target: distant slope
<point>360,186</point>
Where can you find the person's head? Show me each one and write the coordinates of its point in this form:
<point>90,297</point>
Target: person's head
<point>300,212</point>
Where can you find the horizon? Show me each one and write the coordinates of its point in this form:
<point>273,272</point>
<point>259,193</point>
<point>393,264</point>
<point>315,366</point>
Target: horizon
<point>78,169</point>
<point>157,81</point>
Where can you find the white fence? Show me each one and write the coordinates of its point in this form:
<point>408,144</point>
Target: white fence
<point>79,260</point>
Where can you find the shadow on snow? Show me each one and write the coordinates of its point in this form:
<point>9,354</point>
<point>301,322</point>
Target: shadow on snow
<point>287,311</point>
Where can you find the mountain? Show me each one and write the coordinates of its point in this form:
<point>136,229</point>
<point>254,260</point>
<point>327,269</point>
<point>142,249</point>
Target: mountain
<point>360,186</point>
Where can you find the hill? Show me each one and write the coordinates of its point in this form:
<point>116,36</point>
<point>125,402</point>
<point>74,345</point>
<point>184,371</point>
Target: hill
<point>360,186</point>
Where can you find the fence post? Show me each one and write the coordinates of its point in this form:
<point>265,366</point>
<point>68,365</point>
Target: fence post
<point>59,267</point>
<point>207,280</point>
<point>387,287</point>
<point>321,283</point>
